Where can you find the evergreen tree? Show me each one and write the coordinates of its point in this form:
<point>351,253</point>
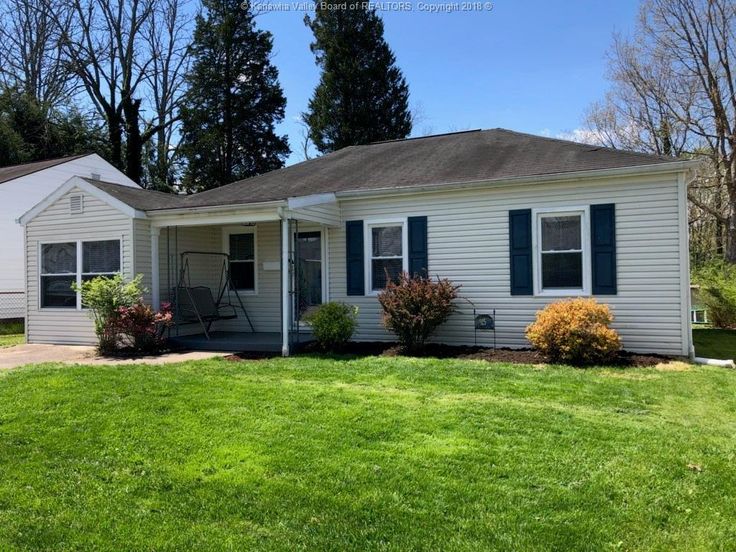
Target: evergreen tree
<point>233,102</point>
<point>362,96</point>
<point>30,131</point>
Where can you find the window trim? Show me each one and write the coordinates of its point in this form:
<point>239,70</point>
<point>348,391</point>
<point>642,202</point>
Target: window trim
<point>78,275</point>
<point>368,225</point>
<point>537,216</point>
<point>227,231</point>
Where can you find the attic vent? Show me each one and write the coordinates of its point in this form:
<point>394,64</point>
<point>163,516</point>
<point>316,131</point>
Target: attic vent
<point>76,204</point>
<point>95,176</point>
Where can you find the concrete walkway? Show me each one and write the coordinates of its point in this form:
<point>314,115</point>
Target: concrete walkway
<point>20,355</point>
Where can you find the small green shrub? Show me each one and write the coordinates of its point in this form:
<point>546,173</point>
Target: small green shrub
<point>333,324</point>
<point>575,331</point>
<point>414,307</point>
<point>717,281</point>
<point>103,296</point>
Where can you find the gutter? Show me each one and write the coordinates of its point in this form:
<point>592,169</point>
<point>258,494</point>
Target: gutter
<point>658,168</point>
<point>216,208</point>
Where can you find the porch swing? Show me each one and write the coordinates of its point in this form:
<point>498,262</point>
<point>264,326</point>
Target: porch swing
<point>198,305</point>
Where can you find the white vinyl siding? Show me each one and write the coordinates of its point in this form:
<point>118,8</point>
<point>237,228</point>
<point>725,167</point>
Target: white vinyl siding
<point>142,254</point>
<point>468,238</point>
<point>55,224</point>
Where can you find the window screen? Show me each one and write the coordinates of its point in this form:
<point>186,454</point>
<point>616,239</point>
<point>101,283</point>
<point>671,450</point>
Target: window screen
<point>101,257</point>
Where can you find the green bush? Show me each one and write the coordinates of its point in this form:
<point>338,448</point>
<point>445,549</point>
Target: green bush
<point>717,281</point>
<point>103,296</point>
<point>414,307</point>
<point>333,324</point>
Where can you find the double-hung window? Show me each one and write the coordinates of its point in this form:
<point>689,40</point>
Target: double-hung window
<point>387,248</point>
<point>563,249</point>
<point>243,261</point>
<point>58,274</point>
<point>68,263</point>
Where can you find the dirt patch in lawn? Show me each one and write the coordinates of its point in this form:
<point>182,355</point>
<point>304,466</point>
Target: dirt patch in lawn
<point>436,350</point>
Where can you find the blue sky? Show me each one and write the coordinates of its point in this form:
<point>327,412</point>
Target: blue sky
<point>533,66</point>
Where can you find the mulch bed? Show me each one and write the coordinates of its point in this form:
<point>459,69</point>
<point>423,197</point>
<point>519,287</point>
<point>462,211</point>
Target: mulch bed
<point>436,350</point>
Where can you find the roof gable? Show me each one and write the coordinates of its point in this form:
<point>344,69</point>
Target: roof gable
<point>85,186</point>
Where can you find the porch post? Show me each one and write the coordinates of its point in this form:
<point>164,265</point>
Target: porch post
<point>285,298</point>
<point>155,269</point>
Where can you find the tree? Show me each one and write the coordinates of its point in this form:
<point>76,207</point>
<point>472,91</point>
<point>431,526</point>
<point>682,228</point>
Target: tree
<point>233,100</point>
<point>32,57</point>
<point>362,95</point>
<point>119,50</point>
<point>674,92</point>
<point>167,36</point>
<point>30,131</point>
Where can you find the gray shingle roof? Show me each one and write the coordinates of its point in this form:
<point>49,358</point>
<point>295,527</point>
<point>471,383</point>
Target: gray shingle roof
<point>470,156</point>
<point>17,171</point>
<point>433,160</point>
<point>138,198</point>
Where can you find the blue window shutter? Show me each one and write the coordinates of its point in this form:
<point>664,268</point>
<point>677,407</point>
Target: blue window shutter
<point>520,251</point>
<point>354,253</point>
<point>418,253</point>
<point>603,248</point>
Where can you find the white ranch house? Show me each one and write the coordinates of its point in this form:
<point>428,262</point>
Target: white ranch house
<point>517,220</point>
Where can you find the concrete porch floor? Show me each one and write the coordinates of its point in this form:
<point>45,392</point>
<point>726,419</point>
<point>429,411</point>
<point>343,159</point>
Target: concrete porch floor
<point>238,342</point>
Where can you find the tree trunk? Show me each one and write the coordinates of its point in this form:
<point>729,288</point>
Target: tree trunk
<point>115,136</point>
<point>730,237</point>
<point>134,142</point>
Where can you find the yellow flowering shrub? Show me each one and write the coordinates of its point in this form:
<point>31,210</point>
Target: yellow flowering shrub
<point>575,331</point>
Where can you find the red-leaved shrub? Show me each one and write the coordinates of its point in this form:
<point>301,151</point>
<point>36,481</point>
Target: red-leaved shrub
<point>141,328</point>
<point>575,331</point>
<point>414,307</point>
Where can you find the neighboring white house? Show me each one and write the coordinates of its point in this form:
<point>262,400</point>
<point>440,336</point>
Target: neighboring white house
<point>22,187</point>
<point>517,220</point>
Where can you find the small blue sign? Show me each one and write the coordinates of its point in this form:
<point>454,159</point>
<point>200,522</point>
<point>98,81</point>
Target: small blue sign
<point>484,322</point>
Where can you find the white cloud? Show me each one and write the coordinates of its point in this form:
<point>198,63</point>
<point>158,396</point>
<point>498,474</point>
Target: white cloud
<point>581,135</point>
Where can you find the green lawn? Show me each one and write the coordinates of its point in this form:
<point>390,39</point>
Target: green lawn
<point>11,333</point>
<point>11,339</point>
<point>367,454</point>
<point>712,343</point>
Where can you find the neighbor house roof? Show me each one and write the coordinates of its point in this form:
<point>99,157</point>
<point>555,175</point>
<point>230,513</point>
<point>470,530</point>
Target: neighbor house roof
<point>456,158</point>
<point>17,171</point>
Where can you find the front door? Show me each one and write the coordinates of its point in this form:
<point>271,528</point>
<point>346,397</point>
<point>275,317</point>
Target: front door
<point>309,271</point>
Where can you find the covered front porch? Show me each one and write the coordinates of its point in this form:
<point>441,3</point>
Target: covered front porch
<point>242,280</point>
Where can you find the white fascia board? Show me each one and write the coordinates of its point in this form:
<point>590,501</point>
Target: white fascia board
<point>300,202</point>
<point>674,167</point>
<point>205,217</point>
<point>82,184</point>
